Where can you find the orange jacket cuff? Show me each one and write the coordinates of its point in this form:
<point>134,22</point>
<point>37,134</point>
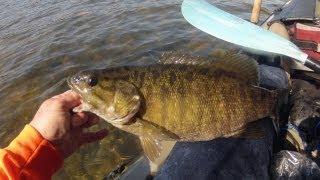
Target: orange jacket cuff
<point>36,156</point>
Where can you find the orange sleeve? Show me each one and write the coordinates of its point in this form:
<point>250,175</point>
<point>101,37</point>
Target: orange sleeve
<point>29,156</point>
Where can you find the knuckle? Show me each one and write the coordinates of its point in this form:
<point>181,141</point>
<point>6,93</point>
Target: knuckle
<point>47,103</point>
<point>53,102</point>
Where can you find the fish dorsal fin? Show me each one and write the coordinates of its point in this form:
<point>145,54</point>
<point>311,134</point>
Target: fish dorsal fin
<point>172,57</point>
<point>157,151</point>
<point>245,67</point>
<point>242,65</point>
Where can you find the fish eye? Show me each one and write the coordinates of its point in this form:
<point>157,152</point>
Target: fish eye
<point>92,81</point>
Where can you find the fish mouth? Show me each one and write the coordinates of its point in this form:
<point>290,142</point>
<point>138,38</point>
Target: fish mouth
<point>72,86</point>
<point>69,82</point>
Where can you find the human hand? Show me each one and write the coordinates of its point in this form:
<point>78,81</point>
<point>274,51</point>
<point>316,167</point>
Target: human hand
<point>56,122</point>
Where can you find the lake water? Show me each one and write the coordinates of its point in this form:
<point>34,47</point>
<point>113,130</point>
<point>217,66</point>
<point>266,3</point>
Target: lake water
<point>42,42</point>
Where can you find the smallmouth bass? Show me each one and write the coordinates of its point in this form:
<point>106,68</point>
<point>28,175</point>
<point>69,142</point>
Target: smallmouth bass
<point>176,100</point>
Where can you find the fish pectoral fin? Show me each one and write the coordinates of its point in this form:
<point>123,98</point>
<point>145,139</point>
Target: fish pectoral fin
<point>157,151</point>
<point>144,128</point>
<point>250,131</point>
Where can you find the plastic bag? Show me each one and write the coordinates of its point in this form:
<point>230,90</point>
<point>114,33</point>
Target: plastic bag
<point>293,165</point>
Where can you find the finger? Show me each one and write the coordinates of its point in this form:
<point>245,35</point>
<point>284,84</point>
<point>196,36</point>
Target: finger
<point>78,119</point>
<point>78,109</point>
<point>69,99</point>
<point>92,120</point>
<point>90,137</point>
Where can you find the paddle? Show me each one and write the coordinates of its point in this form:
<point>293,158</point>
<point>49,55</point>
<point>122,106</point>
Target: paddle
<point>228,27</point>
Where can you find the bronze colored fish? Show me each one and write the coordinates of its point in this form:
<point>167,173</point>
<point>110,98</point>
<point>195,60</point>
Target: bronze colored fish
<point>182,98</point>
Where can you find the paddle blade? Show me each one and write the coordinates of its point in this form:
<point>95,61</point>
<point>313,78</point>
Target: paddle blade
<point>228,27</point>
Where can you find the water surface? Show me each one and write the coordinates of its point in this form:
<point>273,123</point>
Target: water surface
<point>43,42</point>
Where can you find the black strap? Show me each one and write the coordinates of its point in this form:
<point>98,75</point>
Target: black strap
<point>296,10</point>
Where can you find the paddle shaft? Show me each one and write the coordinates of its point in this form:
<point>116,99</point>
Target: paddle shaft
<point>312,65</point>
